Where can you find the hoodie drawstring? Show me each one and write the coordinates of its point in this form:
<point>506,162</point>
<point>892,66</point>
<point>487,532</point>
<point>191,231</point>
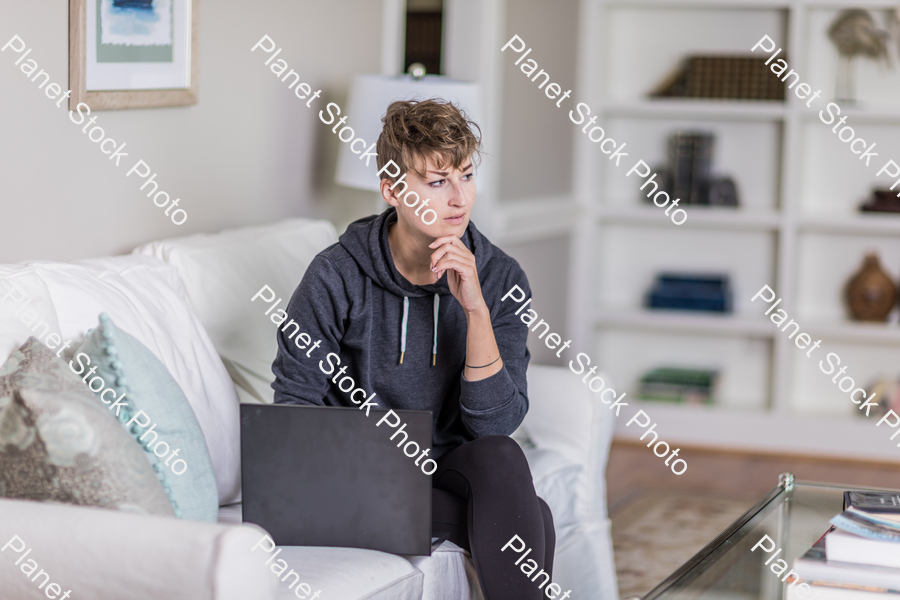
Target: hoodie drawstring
<point>403,327</point>
<point>437,306</point>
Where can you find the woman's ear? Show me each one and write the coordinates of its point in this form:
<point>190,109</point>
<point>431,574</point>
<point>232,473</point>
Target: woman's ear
<point>388,194</point>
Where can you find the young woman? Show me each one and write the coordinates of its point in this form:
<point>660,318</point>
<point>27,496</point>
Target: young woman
<point>411,301</point>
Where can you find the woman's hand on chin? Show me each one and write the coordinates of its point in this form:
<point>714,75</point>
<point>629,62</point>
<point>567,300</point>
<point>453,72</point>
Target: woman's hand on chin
<point>452,256</point>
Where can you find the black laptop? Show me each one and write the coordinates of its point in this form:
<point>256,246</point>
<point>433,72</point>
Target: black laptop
<point>327,476</point>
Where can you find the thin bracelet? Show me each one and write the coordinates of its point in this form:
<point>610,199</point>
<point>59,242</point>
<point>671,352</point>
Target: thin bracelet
<point>483,366</point>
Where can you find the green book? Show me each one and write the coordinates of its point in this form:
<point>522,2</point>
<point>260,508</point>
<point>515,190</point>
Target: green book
<point>678,385</point>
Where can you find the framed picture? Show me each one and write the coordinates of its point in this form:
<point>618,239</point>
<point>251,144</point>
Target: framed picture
<point>133,53</point>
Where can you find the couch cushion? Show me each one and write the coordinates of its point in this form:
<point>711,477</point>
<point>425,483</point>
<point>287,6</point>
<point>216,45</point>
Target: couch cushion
<point>145,297</point>
<point>167,428</point>
<point>345,573</point>
<point>351,574</point>
<point>449,574</point>
<point>112,555</point>
<point>223,271</point>
<point>556,481</point>
<point>57,443</point>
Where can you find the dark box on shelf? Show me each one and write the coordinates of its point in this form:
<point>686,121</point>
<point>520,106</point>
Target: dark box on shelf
<point>884,201</point>
<point>678,291</point>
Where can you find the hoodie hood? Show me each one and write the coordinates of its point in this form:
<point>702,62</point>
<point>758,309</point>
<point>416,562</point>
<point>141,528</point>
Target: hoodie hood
<point>366,240</point>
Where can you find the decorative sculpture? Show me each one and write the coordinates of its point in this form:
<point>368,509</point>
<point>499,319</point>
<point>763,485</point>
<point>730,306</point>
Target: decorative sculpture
<point>854,33</point>
<point>870,293</point>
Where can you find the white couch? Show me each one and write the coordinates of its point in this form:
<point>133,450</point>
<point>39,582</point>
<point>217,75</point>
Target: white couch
<point>188,300</point>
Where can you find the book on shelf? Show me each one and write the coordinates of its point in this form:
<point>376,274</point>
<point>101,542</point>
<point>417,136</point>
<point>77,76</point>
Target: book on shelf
<point>844,546</point>
<point>722,77</point>
<point>818,569</point>
<point>678,385</point>
<point>688,172</point>
<point>680,165</point>
<point>837,592</point>
<point>890,520</point>
<point>874,526</point>
<point>677,291</point>
<point>873,502</point>
<point>701,162</point>
<point>687,175</point>
<point>859,556</point>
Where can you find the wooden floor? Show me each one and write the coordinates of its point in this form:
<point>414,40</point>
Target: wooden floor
<point>633,467</point>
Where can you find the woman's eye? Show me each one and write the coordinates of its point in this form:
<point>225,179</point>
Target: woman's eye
<point>436,183</point>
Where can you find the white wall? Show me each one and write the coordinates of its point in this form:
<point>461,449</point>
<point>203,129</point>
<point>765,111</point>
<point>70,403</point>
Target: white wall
<point>536,149</point>
<point>544,264</point>
<point>536,157</point>
<point>250,152</point>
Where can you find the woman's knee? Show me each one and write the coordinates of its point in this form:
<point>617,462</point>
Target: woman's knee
<point>503,454</point>
<point>493,459</point>
<point>499,445</point>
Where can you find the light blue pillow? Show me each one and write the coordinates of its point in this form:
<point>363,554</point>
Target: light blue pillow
<point>132,382</point>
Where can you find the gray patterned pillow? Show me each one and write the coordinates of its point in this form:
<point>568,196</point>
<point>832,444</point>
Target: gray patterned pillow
<point>58,444</point>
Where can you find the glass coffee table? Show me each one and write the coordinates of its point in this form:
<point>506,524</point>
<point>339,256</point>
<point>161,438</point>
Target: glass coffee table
<point>794,515</point>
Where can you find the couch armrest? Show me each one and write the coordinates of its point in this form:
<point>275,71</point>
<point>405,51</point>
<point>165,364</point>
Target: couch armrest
<point>565,416</point>
<point>112,555</point>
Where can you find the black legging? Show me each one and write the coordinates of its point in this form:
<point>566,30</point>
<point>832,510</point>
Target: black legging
<point>483,495</point>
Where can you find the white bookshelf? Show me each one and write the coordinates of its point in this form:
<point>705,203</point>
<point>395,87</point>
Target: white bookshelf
<point>797,228</point>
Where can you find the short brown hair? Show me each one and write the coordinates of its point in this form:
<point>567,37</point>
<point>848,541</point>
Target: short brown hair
<point>415,130</point>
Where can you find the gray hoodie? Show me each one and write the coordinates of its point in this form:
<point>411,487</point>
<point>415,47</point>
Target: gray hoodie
<point>354,300</point>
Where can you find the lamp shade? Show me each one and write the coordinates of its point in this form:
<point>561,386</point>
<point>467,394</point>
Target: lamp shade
<point>370,96</point>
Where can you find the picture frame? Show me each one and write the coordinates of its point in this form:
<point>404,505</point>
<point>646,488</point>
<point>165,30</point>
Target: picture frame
<point>133,53</point>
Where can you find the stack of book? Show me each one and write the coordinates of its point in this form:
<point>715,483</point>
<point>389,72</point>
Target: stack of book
<point>685,386</point>
<point>690,159</point>
<point>690,292</point>
<point>722,77</point>
<point>688,172</point>
<point>859,557</point>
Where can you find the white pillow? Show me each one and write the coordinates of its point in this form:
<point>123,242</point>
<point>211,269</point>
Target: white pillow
<point>565,416</point>
<point>143,296</point>
<point>222,272</point>
<point>25,310</point>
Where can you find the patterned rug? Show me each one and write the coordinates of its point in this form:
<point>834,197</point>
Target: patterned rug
<point>655,532</point>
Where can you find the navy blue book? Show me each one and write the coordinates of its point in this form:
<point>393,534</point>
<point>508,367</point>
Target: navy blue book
<point>675,291</point>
